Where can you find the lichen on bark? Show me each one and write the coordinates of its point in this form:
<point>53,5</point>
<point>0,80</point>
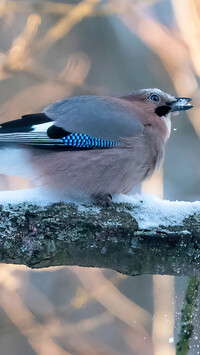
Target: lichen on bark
<point>87,235</point>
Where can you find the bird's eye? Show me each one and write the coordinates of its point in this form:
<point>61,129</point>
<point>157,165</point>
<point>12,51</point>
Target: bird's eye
<point>154,98</point>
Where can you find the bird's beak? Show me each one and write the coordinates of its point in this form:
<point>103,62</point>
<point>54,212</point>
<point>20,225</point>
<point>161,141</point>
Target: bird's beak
<point>181,104</point>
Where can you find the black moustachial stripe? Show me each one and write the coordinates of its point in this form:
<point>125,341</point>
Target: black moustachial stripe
<point>162,110</point>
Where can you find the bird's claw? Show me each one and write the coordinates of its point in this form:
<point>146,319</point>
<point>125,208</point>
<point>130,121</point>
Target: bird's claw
<point>103,200</point>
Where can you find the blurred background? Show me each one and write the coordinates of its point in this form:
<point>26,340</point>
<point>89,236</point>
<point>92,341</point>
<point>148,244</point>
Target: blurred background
<point>53,49</point>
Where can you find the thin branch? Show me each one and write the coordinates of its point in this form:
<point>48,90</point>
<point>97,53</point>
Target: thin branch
<point>188,313</point>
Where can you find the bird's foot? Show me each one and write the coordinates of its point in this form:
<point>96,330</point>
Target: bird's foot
<point>103,200</point>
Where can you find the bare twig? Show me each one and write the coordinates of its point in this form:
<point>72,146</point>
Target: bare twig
<point>188,311</point>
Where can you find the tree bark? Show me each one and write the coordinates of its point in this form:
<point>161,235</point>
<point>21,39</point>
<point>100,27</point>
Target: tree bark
<point>105,237</point>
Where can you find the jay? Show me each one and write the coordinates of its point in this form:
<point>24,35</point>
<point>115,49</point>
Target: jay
<point>93,145</point>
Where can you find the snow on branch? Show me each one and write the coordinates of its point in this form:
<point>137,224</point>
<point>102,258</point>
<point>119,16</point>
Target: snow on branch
<point>139,235</point>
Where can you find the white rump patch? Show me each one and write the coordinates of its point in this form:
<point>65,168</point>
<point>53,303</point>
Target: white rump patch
<point>15,162</point>
<point>42,127</point>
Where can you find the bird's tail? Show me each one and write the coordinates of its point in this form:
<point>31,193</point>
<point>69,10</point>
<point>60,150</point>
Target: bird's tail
<point>30,129</point>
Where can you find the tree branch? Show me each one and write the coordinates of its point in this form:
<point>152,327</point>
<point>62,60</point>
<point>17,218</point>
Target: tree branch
<point>106,237</point>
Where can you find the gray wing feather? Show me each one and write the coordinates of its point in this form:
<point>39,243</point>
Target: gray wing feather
<point>100,117</point>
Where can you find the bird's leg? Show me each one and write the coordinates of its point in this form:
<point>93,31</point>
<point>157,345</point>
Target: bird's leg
<point>104,200</point>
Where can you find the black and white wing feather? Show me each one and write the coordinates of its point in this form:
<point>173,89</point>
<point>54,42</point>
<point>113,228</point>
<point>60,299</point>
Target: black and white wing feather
<point>83,122</point>
<point>30,129</point>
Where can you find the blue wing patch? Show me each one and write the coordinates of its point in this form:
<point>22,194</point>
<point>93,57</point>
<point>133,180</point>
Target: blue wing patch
<point>79,140</point>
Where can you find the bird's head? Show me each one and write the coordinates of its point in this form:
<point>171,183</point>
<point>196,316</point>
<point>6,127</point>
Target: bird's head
<point>154,103</point>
